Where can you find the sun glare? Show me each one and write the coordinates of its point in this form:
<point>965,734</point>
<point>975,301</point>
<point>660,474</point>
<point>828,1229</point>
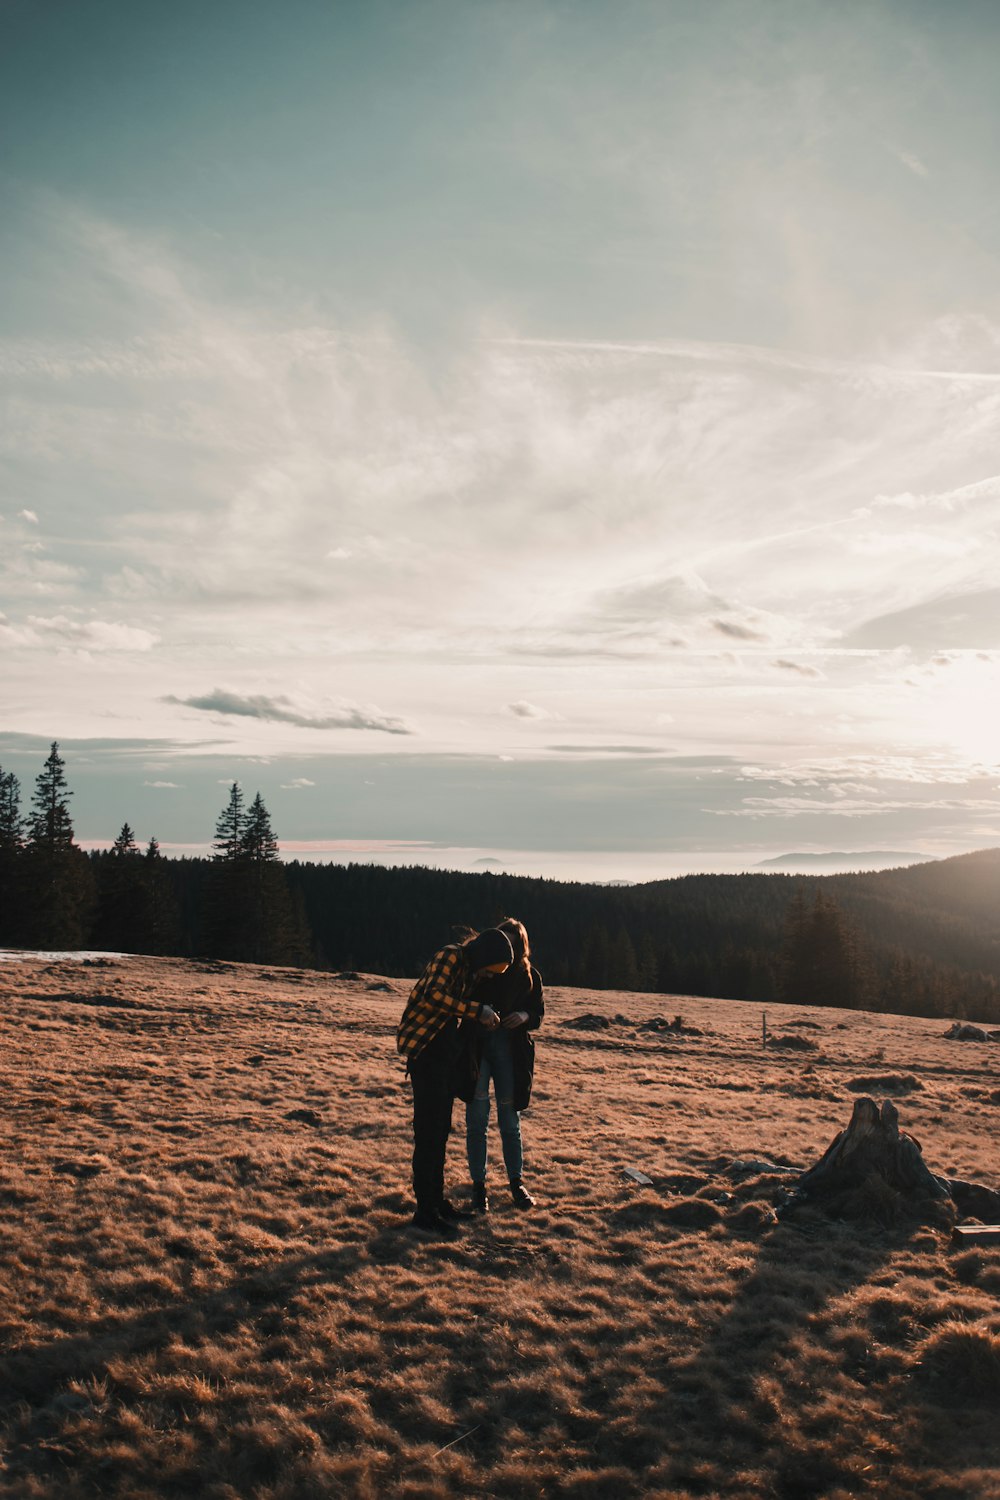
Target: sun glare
<point>958,707</point>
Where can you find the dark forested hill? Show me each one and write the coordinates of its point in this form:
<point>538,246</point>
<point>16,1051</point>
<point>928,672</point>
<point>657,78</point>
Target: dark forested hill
<point>948,909</point>
<point>923,940</point>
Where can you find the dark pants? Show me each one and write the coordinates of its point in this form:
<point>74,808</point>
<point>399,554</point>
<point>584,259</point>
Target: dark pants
<point>432,1074</point>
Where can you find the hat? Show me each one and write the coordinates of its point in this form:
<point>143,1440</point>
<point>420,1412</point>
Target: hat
<point>489,948</point>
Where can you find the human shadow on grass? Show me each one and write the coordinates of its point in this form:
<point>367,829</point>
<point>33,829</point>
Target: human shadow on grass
<point>717,1399</point>
<point>267,1298</point>
<point>262,1295</point>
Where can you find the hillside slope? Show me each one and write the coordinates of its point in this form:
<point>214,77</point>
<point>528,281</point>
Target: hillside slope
<point>211,1288</point>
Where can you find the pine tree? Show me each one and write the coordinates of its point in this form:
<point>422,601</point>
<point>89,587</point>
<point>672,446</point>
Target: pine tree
<point>122,897</point>
<point>250,912</point>
<point>229,826</point>
<point>125,844</point>
<point>822,959</point>
<point>11,853</point>
<point>623,970</point>
<point>257,841</point>
<point>59,887</point>
<point>269,924</point>
<point>163,925</point>
<point>51,827</point>
<point>225,895</point>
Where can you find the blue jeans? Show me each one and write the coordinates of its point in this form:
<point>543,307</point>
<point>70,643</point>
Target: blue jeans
<point>498,1065</point>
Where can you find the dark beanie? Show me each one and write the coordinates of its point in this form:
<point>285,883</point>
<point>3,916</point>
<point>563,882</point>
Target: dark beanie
<point>490,947</point>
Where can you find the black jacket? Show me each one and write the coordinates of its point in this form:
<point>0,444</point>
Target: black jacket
<point>518,989</point>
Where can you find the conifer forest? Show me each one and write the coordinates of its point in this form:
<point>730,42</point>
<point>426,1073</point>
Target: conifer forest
<point>921,940</point>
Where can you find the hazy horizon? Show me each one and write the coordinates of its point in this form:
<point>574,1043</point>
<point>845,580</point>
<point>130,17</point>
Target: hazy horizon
<point>556,429</point>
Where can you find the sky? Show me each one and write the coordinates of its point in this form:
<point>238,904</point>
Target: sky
<point>557,435</point>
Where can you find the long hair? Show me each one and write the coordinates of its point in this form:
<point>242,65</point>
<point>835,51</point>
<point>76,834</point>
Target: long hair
<point>517,935</point>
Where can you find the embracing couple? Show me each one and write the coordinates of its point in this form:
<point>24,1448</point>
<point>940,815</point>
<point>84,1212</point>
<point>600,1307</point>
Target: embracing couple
<point>468,1022</point>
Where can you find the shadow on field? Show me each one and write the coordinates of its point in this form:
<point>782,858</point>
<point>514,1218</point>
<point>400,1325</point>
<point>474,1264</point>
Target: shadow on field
<point>766,1362</point>
<point>265,1299</point>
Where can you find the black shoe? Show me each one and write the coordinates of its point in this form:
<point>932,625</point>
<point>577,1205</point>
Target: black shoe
<point>449,1213</point>
<point>431,1223</point>
<point>480,1200</point>
<point>522,1198</point>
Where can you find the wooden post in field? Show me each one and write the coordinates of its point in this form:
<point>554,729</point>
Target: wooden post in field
<point>763,1028</point>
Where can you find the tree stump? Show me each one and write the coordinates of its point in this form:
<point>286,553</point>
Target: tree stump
<point>873,1142</point>
<point>874,1170</point>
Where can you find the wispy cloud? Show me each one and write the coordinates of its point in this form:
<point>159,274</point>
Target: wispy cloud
<point>796,807</point>
<point>281,710</point>
<point>801,668</point>
<point>738,631</point>
<point>596,749</point>
<point>910,161</point>
<point>84,635</point>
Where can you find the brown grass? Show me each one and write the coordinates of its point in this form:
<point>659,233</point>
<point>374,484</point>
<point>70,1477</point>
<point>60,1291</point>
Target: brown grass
<point>209,1286</point>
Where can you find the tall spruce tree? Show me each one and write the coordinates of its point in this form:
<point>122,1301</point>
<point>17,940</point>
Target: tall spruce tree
<point>121,896</point>
<point>11,856</point>
<point>257,840</point>
<point>59,886</point>
<point>250,914</point>
<point>225,919</point>
<point>229,827</point>
<point>269,935</point>
<point>822,963</point>
<point>163,924</point>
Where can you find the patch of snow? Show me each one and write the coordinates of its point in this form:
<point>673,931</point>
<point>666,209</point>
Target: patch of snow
<point>70,955</point>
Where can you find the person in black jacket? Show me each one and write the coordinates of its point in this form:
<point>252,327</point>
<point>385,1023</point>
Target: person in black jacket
<point>506,1056</point>
<point>430,1038</point>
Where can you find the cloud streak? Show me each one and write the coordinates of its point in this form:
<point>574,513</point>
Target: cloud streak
<point>281,710</point>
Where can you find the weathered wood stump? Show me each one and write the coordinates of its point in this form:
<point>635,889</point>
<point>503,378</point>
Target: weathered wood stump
<point>872,1169</point>
<point>873,1143</point>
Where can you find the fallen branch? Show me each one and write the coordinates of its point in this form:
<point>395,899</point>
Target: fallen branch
<point>460,1439</point>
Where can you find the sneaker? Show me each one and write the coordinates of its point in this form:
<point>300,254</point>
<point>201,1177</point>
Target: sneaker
<point>480,1200</point>
<point>522,1198</point>
<point>433,1225</point>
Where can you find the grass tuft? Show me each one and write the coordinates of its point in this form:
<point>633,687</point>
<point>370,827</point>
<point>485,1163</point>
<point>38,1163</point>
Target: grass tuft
<point>961,1361</point>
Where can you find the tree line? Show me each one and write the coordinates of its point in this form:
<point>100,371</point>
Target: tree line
<point>879,942</point>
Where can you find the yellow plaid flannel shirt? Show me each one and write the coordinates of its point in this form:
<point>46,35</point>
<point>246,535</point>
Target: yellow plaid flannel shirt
<point>439,994</point>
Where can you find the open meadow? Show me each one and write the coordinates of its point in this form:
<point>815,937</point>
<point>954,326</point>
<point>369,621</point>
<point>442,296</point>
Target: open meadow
<point>210,1287</point>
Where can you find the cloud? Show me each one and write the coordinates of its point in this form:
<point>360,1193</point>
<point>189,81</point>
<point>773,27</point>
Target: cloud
<point>606,749</point>
<point>163,785</point>
<point>799,667</point>
<point>651,600</point>
<point>525,710</point>
<point>29,516</point>
<point>968,620</point>
<point>296,784</point>
<point>909,160</point>
<point>281,711</point>
<point>738,631</point>
<point>84,635</point>
<point>795,807</point>
<point>931,769</point>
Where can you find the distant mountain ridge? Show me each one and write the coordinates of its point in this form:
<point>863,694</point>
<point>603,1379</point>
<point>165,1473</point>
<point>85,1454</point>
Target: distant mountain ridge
<point>846,860</point>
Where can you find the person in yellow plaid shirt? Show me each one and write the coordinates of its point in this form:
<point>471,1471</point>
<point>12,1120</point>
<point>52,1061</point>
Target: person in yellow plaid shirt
<point>428,1037</point>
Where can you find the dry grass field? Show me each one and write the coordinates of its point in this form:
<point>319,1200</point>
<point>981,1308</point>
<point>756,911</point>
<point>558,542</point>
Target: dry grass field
<point>210,1289</point>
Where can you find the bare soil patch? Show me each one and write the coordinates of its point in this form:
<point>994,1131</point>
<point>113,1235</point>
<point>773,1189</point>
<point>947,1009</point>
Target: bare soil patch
<point>210,1287</point>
